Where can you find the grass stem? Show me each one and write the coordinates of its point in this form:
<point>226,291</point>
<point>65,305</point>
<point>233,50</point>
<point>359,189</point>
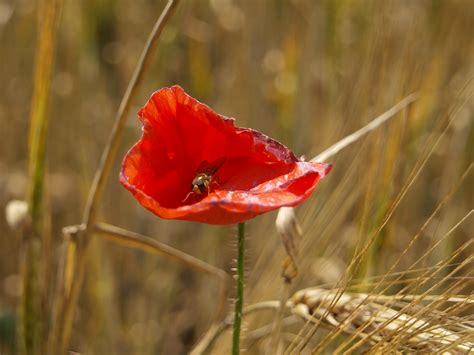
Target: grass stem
<point>32,307</point>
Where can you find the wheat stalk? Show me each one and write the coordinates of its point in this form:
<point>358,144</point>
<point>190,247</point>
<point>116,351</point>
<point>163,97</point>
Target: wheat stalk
<point>363,315</point>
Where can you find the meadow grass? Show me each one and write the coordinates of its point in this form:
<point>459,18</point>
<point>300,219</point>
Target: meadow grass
<point>379,260</point>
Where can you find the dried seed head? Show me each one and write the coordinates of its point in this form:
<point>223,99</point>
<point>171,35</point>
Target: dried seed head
<point>373,318</point>
<point>290,233</point>
<point>16,213</point>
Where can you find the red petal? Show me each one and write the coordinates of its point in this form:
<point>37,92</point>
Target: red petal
<point>258,174</point>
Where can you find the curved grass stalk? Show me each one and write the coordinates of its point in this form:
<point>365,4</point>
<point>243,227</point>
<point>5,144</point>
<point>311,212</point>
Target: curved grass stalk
<point>78,241</point>
<point>149,245</point>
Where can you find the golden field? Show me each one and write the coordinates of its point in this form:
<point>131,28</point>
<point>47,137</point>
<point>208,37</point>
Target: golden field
<point>387,238</point>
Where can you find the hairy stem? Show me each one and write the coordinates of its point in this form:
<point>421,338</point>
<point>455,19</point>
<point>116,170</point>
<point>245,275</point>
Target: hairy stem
<point>240,289</point>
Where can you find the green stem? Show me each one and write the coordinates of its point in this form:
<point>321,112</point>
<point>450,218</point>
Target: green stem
<point>240,288</point>
<point>34,265</point>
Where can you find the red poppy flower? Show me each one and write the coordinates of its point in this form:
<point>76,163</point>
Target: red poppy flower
<point>194,164</point>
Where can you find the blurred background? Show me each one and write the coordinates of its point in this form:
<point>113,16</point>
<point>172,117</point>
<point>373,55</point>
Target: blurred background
<point>305,72</point>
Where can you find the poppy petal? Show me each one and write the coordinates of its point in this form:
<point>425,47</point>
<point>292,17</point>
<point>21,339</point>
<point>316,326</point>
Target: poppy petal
<point>248,173</point>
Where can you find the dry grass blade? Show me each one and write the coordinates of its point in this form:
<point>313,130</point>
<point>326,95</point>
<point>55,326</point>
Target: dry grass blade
<point>427,276</point>
<point>389,232</point>
<point>215,330</point>
<point>286,222</point>
<point>287,225</point>
<point>357,260</point>
<point>375,123</point>
<point>412,242</point>
<point>110,150</point>
<point>323,309</point>
<point>353,312</point>
<point>137,241</point>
